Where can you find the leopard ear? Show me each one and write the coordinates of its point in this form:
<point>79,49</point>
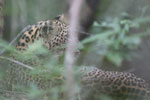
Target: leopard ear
<point>60,17</point>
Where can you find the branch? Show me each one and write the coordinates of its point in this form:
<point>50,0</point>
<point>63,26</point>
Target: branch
<point>71,47</point>
<point>17,62</point>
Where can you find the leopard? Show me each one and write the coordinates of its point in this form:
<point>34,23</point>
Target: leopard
<point>55,33</point>
<point>117,85</point>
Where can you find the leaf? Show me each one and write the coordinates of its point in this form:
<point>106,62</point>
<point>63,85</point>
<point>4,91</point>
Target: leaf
<point>131,40</point>
<point>115,58</point>
<point>96,37</point>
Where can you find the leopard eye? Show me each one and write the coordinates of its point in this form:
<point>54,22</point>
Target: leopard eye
<point>44,29</point>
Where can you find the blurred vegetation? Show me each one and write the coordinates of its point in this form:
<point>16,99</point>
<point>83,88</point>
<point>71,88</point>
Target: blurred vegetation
<point>114,38</point>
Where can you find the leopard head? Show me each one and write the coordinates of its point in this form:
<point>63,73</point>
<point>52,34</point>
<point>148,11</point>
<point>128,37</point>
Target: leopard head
<point>53,32</point>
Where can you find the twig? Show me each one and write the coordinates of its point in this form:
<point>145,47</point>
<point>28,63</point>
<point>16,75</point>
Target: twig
<point>71,47</point>
<point>17,92</point>
<point>17,62</point>
<point>12,42</point>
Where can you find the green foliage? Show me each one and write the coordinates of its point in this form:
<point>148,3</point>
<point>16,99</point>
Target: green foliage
<point>118,38</point>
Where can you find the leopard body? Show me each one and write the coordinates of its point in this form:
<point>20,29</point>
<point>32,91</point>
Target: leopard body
<point>115,84</point>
